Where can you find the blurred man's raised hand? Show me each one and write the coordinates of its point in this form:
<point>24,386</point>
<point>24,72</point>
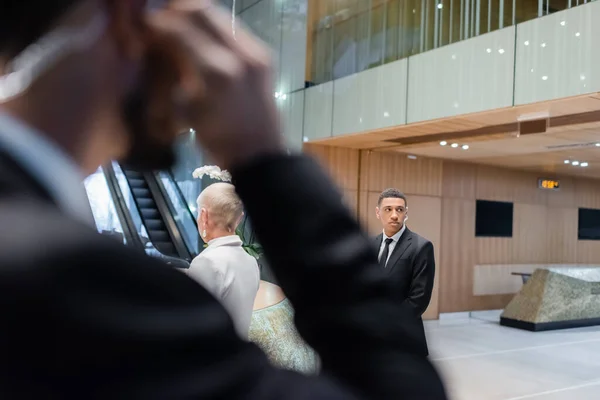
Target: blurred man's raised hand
<point>226,89</point>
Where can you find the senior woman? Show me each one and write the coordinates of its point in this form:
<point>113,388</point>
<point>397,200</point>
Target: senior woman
<point>224,268</point>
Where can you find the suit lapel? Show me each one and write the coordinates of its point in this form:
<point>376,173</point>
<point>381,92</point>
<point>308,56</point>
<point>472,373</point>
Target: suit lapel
<point>378,241</point>
<point>403,245</point>
<point>14,179</point>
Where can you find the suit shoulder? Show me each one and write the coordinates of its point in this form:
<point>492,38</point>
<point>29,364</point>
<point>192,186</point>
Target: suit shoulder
<point>421,241</point>
<point>31,228</point>
<point>35,234</point>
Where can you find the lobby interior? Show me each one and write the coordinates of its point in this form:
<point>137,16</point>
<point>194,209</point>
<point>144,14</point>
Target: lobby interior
<point>495,160</point>
<point>478,110</point>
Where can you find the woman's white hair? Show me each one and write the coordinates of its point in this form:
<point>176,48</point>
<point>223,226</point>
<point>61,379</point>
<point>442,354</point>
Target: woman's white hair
<point>223,204</point>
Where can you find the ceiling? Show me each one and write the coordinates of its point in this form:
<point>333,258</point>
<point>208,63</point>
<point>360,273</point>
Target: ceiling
<point>493,138</point>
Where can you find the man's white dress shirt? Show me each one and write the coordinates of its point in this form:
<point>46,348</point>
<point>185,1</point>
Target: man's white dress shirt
<point>48,164</point>
<point>395,240</point>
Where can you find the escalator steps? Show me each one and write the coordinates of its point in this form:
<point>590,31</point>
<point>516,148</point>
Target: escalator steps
<point>142,192</point>
<point>150,214</point>
<point>161,236</point>
<point>155,224</point>
<point>146,203</point>
<point>133,174</point>
<point>137,183</point>
<point>157,231</point>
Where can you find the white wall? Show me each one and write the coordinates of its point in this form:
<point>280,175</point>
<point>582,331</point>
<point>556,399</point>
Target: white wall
<point>557,56</point>
<point>292,118</point>
<point>373,99</point>
<point>469,76</point>
<point>318,111</point>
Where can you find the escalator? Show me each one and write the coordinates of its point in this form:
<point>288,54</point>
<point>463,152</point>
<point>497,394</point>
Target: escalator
<point>143,220</point>
<point>151,216</point>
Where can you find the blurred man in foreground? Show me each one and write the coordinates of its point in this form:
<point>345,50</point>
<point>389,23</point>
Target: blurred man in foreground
<point>84,81</point>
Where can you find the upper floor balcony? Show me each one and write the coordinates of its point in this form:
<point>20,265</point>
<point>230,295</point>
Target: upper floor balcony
<point>350,36</point>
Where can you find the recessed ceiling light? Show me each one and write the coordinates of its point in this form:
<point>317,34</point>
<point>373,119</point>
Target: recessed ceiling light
<point>443,143</point>
<point>465,147</point>
<point>543,44</point>
<point>386,114</point>
<point>488,50</point>
<point>563,23</point>
<point>597,144</point>
<point>575,163</point>
<point>526,43</point>
<point>544,78</point>
<point>567,162</point>
<point>584,164</point>
<point>501,51</point>
<point>411,157</point>
<point>455,145</point>
<point>578,34</point>
<point>305,139</point>
<point>440,6</point>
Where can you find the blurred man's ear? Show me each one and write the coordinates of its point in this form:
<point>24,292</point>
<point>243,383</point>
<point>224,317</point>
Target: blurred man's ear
<point>377,212</point>
<point>127,24</point>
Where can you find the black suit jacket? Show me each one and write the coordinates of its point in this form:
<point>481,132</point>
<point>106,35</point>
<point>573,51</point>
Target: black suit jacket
<point>85,317</point>
<point>411,268</point>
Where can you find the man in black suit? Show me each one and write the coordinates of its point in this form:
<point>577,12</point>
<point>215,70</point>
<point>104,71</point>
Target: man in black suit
<point>85,317</point>
<point>406,257</point>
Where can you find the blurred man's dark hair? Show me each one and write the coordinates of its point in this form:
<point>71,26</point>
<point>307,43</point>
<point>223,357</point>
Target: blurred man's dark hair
<point>22,22</point>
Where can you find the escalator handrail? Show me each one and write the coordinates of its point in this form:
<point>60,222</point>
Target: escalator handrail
<point>198,245</point>
<point>181,196</point>
<point>162,204</point>
<point>121,208</point>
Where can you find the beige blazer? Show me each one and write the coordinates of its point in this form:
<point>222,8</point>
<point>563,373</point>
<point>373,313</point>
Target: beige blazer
<point>231,276</point>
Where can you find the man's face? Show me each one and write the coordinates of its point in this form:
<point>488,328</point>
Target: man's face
<point>392,213</point>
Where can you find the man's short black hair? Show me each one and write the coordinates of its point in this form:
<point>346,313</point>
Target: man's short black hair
<point>391,193</point>
<point>22,22</point>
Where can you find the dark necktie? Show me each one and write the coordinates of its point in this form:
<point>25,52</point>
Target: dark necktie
<point>386,252</point>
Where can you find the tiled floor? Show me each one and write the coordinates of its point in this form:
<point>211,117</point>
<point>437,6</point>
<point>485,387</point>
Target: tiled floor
<point>481,360</point>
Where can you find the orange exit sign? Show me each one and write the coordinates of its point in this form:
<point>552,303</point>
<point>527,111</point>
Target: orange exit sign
<point>550,184</point>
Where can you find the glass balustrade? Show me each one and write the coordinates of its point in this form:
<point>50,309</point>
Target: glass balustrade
<point>350,36</point>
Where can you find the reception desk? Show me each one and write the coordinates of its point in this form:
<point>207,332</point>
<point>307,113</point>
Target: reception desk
<point>556,298</point>
<point>273,330</point>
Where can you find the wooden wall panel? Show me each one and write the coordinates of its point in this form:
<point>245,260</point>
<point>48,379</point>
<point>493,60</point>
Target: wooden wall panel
<point>382,170</point>
<point>508,185</point>
<point>561,234</point>
<point>457,254</point>
<point>459,180</point>
<point>493,250</point>
<point>588,252</point>
<point>342,164</point>
<point>565,197</point>
<point>587,193</point>
<point>530,224</point>
<point>374,226</point>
